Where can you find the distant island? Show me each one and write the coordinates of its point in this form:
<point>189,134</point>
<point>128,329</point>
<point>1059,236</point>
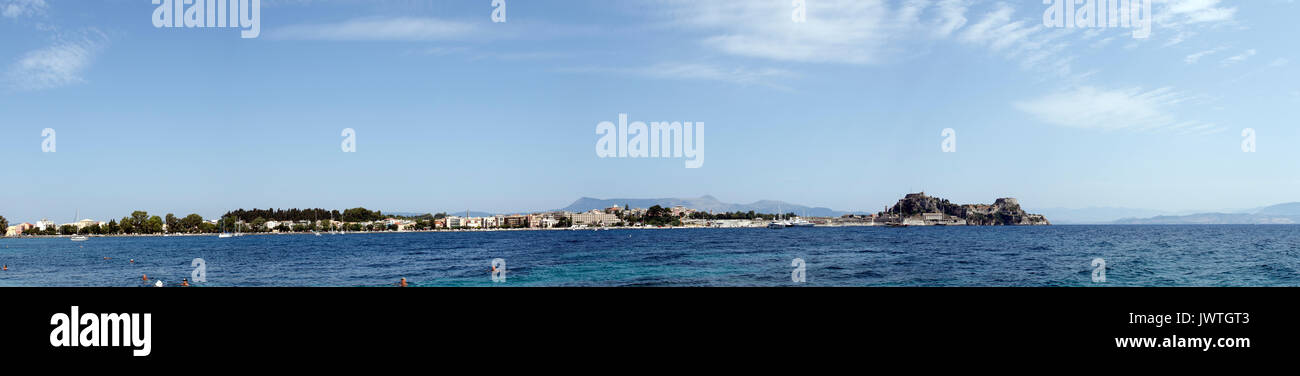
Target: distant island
<point>917,209</point>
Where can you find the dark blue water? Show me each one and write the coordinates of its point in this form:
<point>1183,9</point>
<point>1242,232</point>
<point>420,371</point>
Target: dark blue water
<point>848,256</point>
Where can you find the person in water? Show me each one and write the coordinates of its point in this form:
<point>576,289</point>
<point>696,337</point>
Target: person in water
<point>6,268</point>
<point>185,282</point>
<point>144,277</point>
<point>403,283</point>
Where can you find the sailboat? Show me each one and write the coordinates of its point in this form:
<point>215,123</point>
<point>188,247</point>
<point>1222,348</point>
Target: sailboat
<point>902,222</point>
<point>224,234</point>
<point>78,238</point>
<point>315,218</point>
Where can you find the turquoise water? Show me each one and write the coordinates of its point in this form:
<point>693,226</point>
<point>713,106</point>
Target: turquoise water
<point>848,256</point>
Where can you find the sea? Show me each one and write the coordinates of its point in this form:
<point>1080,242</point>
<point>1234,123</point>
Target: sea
<point>1063,255</point>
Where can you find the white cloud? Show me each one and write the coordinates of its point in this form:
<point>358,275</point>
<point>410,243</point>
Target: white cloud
<point>1196,57</point>
<point>21,8</point>
<point>1239,58</point>
<point>378,29</point>
<point>737,75</point>
<point>868,31</point>
<point>58,65</point>
<point>836,31</point>
<point>1126,109</point>
<point>1175,13</point>
<point>701,71</point>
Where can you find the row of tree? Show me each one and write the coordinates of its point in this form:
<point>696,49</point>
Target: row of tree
<point>296,215</point>
<point>738,215</point>
<point>255,220</point>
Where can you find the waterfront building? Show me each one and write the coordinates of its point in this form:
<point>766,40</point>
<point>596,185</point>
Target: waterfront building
<point>595,218</point>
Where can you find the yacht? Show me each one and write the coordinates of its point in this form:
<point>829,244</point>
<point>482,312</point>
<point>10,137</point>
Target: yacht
<point>800,222</point>
<point>777,222</point>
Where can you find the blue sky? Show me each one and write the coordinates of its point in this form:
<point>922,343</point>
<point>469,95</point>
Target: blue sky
<point>453,111</point>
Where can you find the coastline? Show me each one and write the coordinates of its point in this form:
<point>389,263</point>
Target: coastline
<point>386,232</point>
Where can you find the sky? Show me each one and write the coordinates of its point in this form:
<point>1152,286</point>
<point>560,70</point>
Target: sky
<point>845,108</point>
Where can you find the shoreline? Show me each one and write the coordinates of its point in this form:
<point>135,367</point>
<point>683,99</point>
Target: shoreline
<point>575,229</point>
<point>383,232</point>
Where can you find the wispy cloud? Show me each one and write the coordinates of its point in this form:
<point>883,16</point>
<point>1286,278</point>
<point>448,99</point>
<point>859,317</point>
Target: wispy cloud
<point>701,71</point>
<point>869,32</point>
<point>378,29</point>
<point>1239,57</point>
<point>1175,13</point>
<point>1125,109</point>
<point>1182,16</point>
<point>21,8</point>
<point>737,75</point>
<point>482,54</point>
<point>58,65</point>
<point>836,31</point>
<point>1196,57</point>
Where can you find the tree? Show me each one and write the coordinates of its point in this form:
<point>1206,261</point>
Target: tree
<point>113,228</point>
<point>4,223</point>
<point>172,223</point>
<point>127,227</point>
<point>191,222</point>
<point>67,230</point>
<point>154,225</point>
<point>259,224</point>
<point>138,219</point>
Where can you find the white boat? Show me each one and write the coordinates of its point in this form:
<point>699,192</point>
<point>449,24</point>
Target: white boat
<point>78,238</point>
<point>800,222</point>
<point>225,235</point>
<point>777,222</point>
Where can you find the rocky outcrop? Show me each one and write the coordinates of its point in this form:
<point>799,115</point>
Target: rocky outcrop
<point>1003,212</point>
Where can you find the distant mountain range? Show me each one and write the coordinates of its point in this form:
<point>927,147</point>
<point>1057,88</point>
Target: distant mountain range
<point>1097,215</point>
<point>704,203</point>
<point>1288,213</point>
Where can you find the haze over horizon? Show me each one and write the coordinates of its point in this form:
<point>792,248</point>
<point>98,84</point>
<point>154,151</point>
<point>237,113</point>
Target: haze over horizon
<point>453,111</point>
